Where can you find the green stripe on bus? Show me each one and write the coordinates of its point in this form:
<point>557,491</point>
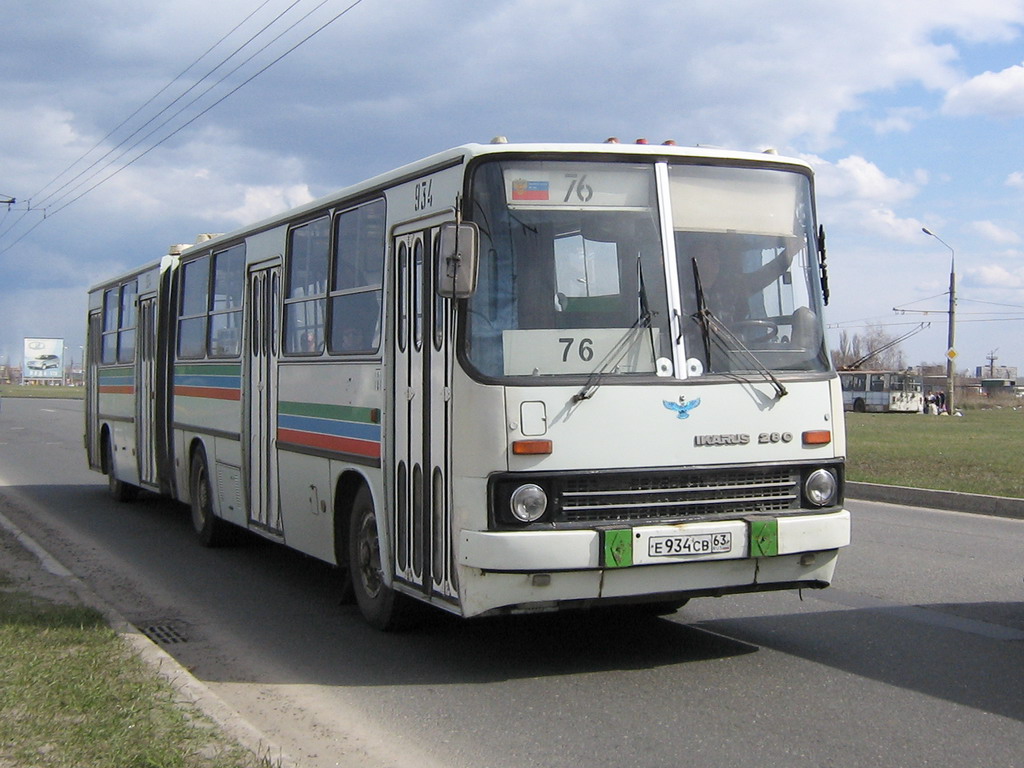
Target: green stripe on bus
<point>208,369</point>
<point>324,411</point>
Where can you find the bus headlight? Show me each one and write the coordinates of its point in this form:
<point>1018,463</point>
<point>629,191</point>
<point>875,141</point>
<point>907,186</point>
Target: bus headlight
<point>821,488</point>
<point>529,503</point>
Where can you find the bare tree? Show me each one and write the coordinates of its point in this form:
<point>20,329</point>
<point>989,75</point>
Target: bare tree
<point>874,349</point>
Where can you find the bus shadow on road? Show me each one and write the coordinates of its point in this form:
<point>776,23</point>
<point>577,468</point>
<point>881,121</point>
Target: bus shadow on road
<point>438,648</point>
<point>970,654</point>
<point>570,642</point>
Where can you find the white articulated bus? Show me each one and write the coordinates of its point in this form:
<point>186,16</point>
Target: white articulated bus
<point>505,378</point>
<point>882,391</point>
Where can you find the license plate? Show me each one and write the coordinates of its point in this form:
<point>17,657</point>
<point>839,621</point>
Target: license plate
<point>683,545</point>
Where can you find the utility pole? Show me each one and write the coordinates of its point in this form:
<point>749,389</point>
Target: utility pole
<point>950,348</point>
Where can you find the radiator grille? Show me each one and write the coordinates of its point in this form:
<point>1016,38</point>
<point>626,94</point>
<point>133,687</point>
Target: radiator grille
<point>686,493</point>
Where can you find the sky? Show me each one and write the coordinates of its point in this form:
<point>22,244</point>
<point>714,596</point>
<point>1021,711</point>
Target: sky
<point>911,114</point>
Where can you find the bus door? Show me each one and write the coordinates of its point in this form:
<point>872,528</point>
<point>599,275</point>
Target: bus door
<point>92,394</point>
<point>145,396</point>
<point>421,412</point>
<point>260,444</point>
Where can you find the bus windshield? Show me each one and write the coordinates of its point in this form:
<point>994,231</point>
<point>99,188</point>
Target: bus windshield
<point>574,277</point>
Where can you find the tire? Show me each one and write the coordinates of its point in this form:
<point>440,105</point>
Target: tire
<point>212,531</point>
<point>859,406</point>
<point>121,491</point>
<point>341,556</point>
<point>381,606</point>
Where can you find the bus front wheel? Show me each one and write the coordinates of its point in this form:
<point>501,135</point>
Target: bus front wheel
<point>381,606</point>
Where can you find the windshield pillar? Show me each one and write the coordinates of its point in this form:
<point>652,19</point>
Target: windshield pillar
<point>676,320</point>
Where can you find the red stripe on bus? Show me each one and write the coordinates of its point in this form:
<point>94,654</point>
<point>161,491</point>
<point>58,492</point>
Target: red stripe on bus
<point>213,393</point>
<point>111,389</point>
<point>330,442</point>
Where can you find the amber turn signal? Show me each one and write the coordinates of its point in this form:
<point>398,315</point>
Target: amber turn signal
<point>531,447</point>
<point>817,437</point>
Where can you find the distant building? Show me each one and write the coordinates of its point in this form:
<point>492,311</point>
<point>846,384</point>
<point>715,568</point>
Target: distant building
<point>996,372</point>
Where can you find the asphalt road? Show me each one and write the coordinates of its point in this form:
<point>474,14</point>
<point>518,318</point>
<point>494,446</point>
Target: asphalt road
<point>915,657</point>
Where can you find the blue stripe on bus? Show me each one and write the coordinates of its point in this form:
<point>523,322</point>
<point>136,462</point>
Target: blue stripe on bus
<point>192,380</point>
<point>330,427</point>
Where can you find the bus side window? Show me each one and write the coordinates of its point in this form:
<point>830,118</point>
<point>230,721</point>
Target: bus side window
<point>357,280</point>
<point>192,316</point>
<point>226,309</point>
<point>305,302</point>
<point>127,322</point>
<point>111,304</point>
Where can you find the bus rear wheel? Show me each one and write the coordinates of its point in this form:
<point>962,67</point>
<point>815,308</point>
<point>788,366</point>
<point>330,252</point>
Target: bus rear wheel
<point>212,531</point>
<point>119,489</point>
<point>381,606</point>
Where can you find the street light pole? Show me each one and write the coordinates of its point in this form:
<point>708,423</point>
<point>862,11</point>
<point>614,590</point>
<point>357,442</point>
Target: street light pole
<point>950,350</point>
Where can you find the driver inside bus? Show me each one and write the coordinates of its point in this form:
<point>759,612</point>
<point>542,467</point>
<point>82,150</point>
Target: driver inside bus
<point>735,297</point>
<point>726,287</point>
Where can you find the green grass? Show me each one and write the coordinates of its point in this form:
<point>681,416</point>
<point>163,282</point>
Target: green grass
<point>979,452</point>
<point>72,696</point>
<point>31,390</point>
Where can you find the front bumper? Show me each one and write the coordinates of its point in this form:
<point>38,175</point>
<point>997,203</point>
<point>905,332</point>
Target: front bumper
<point>545,570</point>
<point>570,550</point>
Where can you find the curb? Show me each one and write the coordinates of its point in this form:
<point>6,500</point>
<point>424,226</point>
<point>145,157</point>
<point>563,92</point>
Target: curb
<point>184,682</point>
<point>975,503</point>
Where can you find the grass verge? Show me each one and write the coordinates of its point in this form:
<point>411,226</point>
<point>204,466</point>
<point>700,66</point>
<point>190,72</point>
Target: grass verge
<point>72,695</point>
<point>976,453</point>
<point>55,392</point>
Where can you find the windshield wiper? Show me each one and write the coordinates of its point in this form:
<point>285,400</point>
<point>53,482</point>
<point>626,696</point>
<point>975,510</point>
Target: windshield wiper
<point>699,315</point>
<point>708,323</point>
<point>708,319</point>
<point>623,345</point>
<point>614,357</point>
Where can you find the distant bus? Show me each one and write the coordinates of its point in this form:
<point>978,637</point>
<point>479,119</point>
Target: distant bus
<point>502,379</point>
<point>882,392</point>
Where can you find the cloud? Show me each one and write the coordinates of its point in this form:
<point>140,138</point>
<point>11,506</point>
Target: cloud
<point>860,197</point>
<point>996,276</point>
<point>995,233</point>
<point>901,120</point>
<point>264,201</point>
<point>399,80</point>
<point>996,94</point>
<point>859,178</point>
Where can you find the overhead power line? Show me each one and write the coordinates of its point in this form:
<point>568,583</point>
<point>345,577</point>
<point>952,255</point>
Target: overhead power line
<point>35,196</point>
<point>66,190</point>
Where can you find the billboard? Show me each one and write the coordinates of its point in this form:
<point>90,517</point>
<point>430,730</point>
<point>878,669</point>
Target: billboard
<point>44,359</point>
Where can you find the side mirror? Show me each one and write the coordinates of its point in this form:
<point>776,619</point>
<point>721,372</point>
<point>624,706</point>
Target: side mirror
<point>457,260</point>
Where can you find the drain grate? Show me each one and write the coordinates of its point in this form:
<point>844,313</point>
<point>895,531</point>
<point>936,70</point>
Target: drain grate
<point>163,634</point>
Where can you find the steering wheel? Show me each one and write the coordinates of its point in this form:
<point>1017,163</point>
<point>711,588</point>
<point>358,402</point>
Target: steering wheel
<point>755,331</point>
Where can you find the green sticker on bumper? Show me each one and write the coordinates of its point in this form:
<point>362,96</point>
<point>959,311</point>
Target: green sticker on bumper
<point>764,538</point>
<point>617,548</point>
